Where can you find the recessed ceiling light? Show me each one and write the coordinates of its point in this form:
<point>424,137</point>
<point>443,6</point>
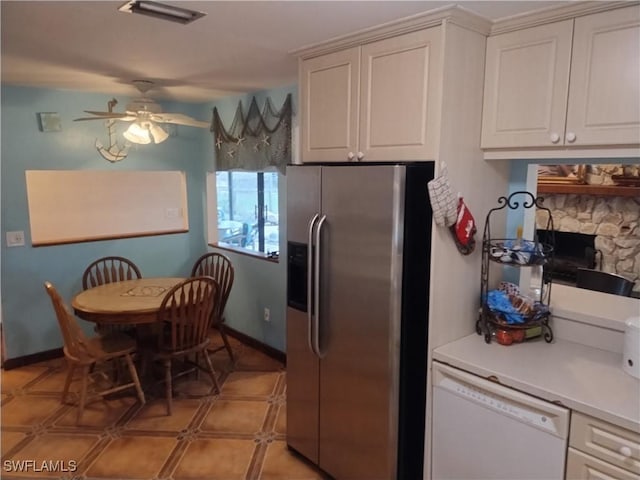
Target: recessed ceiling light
<point>161,11</point>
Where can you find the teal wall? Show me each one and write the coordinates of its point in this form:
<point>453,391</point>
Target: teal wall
<point>28,320</point>
<point>260,283</point>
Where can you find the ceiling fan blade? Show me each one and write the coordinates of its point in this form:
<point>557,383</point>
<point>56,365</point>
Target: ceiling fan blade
<point>127,118</point>
<point>107,114</point>
<point>178,118</point>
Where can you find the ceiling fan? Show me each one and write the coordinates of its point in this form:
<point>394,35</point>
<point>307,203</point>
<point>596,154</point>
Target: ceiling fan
<point>145,114</point>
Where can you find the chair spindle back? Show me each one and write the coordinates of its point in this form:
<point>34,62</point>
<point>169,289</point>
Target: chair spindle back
<point>75,341</point>
<point>108,270</point>
<point>188,308</point>
<point>219,267</point>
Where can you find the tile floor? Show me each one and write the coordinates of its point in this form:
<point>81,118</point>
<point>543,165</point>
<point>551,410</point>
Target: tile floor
<point>238,434</point>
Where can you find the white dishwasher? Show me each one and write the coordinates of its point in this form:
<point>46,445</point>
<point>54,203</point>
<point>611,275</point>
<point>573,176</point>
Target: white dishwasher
<point>482,430</point>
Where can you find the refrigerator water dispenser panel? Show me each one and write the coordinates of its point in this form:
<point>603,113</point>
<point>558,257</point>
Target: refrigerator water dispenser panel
<point>297,275</point>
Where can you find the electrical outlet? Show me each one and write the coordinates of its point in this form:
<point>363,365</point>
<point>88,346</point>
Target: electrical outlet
<point>267,315</point>
<point>15,239</point>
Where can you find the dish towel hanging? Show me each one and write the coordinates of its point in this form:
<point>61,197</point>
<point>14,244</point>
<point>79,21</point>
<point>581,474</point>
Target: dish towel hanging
<point>450,211</point>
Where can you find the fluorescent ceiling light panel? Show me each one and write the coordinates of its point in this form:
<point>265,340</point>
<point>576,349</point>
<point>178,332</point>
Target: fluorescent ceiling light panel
<point>161,11</point>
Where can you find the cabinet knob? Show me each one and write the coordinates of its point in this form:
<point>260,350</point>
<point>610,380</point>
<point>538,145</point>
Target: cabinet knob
<point>555,138</point>
<point>360,155</point>
<point>571,137</point>
<point>625,451</point>
<point>350,155</point>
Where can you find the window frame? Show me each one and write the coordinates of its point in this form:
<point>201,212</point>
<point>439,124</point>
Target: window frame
<point>212,193</point>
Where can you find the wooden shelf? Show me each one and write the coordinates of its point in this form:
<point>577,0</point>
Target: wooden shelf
<point>608,190</point>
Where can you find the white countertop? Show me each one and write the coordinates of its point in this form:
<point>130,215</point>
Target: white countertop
<point>585,379</point>
<point>595,308</point>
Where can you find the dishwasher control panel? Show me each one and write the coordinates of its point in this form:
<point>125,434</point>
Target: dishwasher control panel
<point>538,413</point>
<point>496,402</point>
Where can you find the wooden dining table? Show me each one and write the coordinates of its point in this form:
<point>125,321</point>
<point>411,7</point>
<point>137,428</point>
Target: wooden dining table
<point>128,302</point>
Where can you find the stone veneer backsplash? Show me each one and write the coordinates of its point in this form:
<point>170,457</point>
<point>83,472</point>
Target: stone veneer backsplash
<point>614,220</point>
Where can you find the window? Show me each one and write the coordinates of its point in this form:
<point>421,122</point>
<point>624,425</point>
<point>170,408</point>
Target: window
<point>248,210</point>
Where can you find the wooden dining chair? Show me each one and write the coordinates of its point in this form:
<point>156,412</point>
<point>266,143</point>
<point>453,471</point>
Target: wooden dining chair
<point>219,267</point>
<point>85,352</point>
<point>186,311</point>
<point>107,270</point>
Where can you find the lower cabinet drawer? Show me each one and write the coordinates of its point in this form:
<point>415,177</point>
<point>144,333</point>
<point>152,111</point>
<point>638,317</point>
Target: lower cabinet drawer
<point>612,444</point>
<point>581,466</point>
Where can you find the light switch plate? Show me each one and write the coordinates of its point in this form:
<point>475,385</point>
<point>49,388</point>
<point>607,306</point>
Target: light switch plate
<point>15,239</point>
<point>172,213</point>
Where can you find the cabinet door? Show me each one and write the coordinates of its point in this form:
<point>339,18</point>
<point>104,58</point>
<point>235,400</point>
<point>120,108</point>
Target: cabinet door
<point>329,106</point>
<point>585,467</point>
<point>604,93</point>
<point>526,82</point>
<point>400,93</point>
<point>614,445</point>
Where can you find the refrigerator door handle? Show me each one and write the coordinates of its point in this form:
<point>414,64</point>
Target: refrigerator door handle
<point>316,288</point>
<point>312,223</point>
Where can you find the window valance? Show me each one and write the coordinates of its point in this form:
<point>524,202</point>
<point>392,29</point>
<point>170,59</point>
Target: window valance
<point>256,141</point>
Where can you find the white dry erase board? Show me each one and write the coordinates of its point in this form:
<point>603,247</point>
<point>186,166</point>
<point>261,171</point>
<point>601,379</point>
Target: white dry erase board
<point>68,206</point>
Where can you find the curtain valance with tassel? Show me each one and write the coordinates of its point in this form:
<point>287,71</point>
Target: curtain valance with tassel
<point>256,141</point>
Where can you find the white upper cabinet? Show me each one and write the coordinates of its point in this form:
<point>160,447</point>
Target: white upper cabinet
<point>372,102</point>
<point>329,91</point>
<point>573,83</point>
<point>526,82</point>
<point>398,84</point>
<point>604,91</point>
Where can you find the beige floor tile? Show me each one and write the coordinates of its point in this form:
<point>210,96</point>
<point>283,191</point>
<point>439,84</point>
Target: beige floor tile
<point>221,361</point>
<point>280,464</point>
<point>250,383</point>
<point>215,459</point>
<point>54,382</point>
<point>250,359</point>
<point>10,440</point>
<point>240,410</point>
<point>19,377</point>
<point>281,421</point>
<point>132,457</point>
<point>236,416</point>
<point>29,410</point>
<point>64,449</point>
<point>98,414</point>
<point>200,387</point>
<point>153,416</point>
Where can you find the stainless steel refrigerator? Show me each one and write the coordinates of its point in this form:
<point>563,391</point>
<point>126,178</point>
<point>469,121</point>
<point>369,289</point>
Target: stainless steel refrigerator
<point>358,250</point>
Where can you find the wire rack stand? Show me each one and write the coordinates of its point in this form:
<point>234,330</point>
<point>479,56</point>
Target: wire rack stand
<point>525,312</point>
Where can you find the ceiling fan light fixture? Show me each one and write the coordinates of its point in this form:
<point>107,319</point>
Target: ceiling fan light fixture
<point>161,11</point>
<point>157,133</point>
<point>136,133</point>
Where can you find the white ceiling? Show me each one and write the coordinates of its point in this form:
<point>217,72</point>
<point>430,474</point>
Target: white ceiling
<point>238,47</point>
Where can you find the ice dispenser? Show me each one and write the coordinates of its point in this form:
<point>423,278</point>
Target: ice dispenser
<point>297,275</point>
